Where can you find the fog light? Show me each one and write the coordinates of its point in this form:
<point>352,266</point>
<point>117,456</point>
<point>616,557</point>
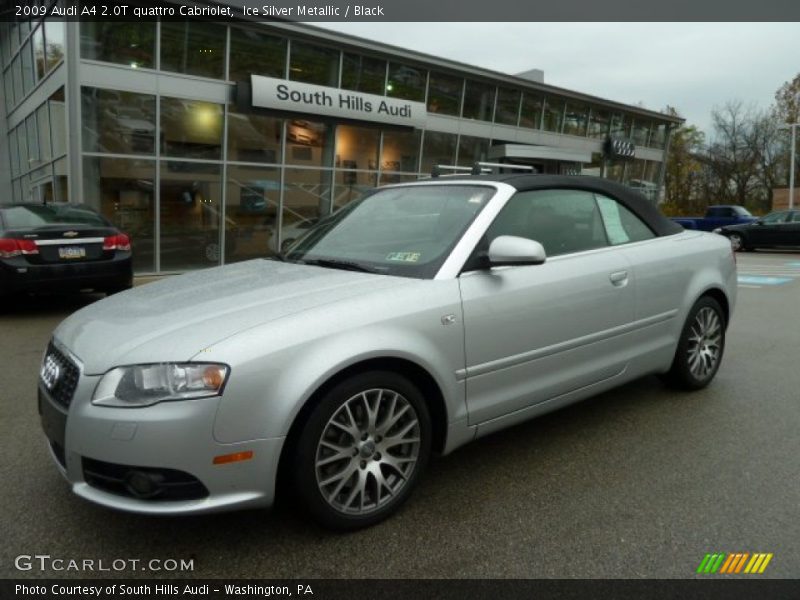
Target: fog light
<point>143,485</point>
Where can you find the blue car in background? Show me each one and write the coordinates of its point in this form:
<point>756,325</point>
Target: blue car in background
<point>716,217</point>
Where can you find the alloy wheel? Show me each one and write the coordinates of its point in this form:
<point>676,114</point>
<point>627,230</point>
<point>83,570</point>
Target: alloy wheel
<point>705,343</point>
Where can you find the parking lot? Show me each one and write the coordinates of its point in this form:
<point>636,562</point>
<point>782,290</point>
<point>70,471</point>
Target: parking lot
<point>638,482</point>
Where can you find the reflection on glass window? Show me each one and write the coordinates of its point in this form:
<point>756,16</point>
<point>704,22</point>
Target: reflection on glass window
<point>400,151</point>
<point>16,67</point>
<point>357,147</point>
<point>8,82</point>
<point>351,185</point>
<point>444,93</point>
<point>576,118</point>
<point>43,125</point>
<point>131,44</point>
<point>190,216</point>
<point>640,131</point>
<point>28,75</point>
<point>122,190</point>
<point>254,138</point>
<point>118,122</point>
<point>478,101</point>
<point>309,143</point>
<point>256,53</point>
<point>507,110</point>
<point>599,123</point>
<point>13,151</point>
<point>252,202</point>
<point>658,135</point>
<point>54,40</point>
<point>191,129</point>
<point>471,150</point>
<point>58,123</point>
<point>620,125</point>
<point>193,47</point>
<point>314,64</point>
<point>553,114</point>
<point>406,82</point>
<point>531,114</point>
<point>363,73</point>
<point>306,198</point>
<point>38,52</point>
<point>438,149</point>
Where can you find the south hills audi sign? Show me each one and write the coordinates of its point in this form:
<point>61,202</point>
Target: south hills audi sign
<point>290,96</point>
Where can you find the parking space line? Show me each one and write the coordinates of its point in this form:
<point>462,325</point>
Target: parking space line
<point>744,285</point>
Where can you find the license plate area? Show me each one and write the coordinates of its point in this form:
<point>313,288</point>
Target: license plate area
<point>71,252</point>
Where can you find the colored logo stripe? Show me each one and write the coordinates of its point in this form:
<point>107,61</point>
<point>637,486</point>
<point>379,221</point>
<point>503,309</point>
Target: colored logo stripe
<point>723,563</point>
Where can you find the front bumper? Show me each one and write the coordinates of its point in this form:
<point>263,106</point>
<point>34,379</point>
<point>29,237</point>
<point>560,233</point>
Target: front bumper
<point>171,436</point>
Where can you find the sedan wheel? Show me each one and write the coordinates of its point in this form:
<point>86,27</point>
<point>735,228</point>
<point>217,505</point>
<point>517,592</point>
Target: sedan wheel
<point>736,242</point>
<point>362,450</point>
<point>700,347</point>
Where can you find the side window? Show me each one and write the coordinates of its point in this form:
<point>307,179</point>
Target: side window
<point>796,217</point>
<point>775,218</point>
<point>563,221</point>
<point>622,226</point>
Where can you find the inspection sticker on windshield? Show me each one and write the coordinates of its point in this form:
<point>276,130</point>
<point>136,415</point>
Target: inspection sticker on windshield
<point>410,257</point>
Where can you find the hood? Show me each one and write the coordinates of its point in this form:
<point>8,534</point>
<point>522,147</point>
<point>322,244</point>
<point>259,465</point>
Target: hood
<point>174,319</point>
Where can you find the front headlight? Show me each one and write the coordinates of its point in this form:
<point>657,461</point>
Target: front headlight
<point>717,230</point>
<point>144,385</point>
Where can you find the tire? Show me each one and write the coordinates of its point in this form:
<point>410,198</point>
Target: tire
<point>737,242</point>
<point>343,451</point>
<point>701,346</point>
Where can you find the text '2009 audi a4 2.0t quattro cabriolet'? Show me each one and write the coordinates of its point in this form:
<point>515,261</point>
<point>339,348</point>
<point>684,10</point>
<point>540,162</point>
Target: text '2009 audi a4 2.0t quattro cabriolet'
<point>410,321</point>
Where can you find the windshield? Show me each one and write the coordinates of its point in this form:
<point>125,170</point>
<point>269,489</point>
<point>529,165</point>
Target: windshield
<point>406,231</point>
<point>742,211</point>
<point>31,217</point>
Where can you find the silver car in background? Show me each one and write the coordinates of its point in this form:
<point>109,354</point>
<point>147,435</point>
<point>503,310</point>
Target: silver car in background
<point>411,321</point>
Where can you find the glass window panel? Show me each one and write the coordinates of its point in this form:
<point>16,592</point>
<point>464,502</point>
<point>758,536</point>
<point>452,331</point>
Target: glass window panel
<point>191,129</point>
<point>438,149</point>
<point>254,138</point>
<point>122,191</point>
<point>58,123</point>
<point>620,125</point>
<point>61,180</point>
<point>28,76</point>
<point>658,135</point>
<point>406,82</point>
<point>357,147</point>
<point>351,185</point>
<point>553,114</point>
<point>444,93</point>
<point>576,118</point>
<point>306,197</point>
<point>193,47</point>
<point>131,44</point>
<point>309,143</point>
<point>634,172</point>
<point>363,73</point>
<point>33,142</point>
<point>479,101</point>
<point>653,171</point>
<point>38,52</point>
<point>400,151</point>
<point>472,149</point>
<point>118,122</point>
<point>24,29</point>
<point>314,64</point>
<point>54,39</point>
<point>22,141</point>
<point>507,106</point>
<point>621,225</point>
<point>8,79</point>
<point>19,92</point>
<point>255,53</point>
<point>640,132</point>
<point>615,170</point>
<point>13,151</point>
<point>599,123</point>
<point>252,203</point>
<point>17,191</point>
<point>5,43</point>
<point>189,216</point>
<point>43,125</point>
<point>531,115</point>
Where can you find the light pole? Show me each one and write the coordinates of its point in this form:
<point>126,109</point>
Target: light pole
<point>793,127</point>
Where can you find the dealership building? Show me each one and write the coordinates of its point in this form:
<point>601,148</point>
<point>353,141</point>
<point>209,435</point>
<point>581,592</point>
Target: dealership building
<point>214,142</point>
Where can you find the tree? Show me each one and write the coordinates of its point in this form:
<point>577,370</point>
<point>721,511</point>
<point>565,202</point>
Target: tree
<point>683,175</point>
<point>787,101</point>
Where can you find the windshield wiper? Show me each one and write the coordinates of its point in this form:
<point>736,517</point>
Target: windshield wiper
<point>345,265</point>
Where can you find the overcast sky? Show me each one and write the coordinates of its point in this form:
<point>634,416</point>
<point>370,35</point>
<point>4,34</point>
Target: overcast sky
<point>692,66</point>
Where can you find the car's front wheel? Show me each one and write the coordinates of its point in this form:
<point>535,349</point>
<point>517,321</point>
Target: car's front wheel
<point>362,450</point>
<point>700,347</point>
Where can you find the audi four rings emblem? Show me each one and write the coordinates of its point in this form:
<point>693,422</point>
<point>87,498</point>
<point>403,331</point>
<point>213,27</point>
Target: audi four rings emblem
<point>50,372</point>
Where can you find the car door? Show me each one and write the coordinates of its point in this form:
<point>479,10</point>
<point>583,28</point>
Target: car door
<point>532,333</point>
<point>793,229</point>
<point>769,230</point>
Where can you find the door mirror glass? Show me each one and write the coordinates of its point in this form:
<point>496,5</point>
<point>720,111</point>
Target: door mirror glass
<point>513,250</point>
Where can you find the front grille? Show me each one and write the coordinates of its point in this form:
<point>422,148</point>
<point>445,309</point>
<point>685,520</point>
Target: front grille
<point>142,483</point>
<point>62,386</point>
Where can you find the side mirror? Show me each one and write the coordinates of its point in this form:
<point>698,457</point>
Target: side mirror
<point>512,250</point>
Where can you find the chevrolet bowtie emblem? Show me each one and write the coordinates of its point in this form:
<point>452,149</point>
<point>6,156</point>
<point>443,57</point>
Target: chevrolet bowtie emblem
<point>70,233</point>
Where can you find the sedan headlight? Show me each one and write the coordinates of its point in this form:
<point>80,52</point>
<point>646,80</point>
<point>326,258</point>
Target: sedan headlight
<point>143,385</point>
<point>717,230</point>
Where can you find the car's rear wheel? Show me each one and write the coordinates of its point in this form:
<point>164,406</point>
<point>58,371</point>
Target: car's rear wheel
<point>700,347</point>
<point>362,450</point>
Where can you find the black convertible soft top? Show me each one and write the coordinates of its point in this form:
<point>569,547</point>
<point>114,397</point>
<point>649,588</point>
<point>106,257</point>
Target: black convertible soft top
<point>625,195</point>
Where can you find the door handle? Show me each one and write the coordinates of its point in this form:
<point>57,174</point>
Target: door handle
<point>618,278</point>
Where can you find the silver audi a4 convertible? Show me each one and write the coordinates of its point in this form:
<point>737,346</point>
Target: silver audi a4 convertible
<point>411,321</point>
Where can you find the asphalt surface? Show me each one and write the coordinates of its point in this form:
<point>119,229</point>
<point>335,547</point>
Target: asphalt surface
<point>638,482</point>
